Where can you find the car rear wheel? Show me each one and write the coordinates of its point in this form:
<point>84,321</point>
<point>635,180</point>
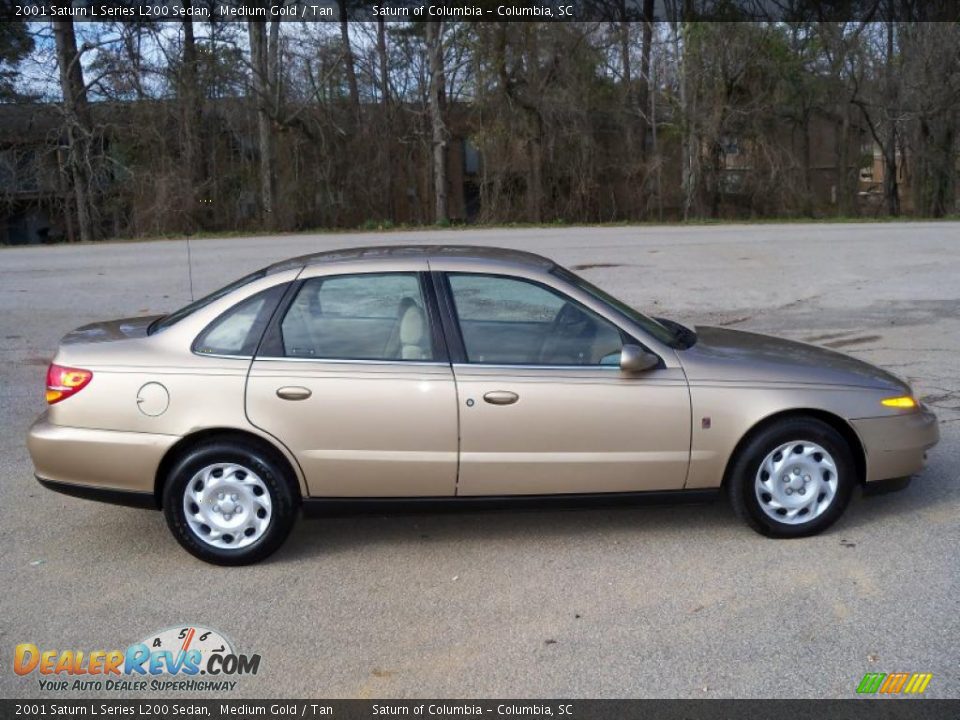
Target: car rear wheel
<point>792,479</point>
<point>229,504</point>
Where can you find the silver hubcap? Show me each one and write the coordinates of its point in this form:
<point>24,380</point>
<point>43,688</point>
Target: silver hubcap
<point>797,482</point>
<point>227,506</point>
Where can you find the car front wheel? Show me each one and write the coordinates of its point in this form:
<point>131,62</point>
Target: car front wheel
<point>792,479</point>
<point>228,503</point>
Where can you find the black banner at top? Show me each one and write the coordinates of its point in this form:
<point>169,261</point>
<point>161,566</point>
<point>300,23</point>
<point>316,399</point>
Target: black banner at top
<point>488,10</point>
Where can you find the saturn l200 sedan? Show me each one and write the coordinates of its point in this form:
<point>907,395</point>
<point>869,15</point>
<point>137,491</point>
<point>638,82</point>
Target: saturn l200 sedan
<point>387,376</point>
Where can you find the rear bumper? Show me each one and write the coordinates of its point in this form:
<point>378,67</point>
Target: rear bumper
<point>130,498</point>
<point>95,463</point>
<point>896,446</point>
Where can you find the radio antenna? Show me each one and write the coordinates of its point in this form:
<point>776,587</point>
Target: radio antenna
<point>190,267</point>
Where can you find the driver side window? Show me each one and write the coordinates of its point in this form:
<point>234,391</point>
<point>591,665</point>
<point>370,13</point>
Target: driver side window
<point>512,321</point>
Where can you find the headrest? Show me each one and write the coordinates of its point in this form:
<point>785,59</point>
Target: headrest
<point>412,326</point>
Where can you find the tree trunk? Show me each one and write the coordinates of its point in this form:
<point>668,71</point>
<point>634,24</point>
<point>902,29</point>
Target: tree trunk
<point>382,58</point>
<point>655,150</point>
<point>623,36</point>
<point>807,169</point>
<point>261,86</point>
<point>843,164</point>
<point>434,35</point>
<point>933,174</point>
<point>63,184</point>
<point>535,189</point>
<point>944,198</point>
<point>386,147</point>
<point>191,116</point>
<point>891,191</point>
<point>273,68</point>
<point>645,75</point>
<point>348,61</point>
<point>716,168</point>
<point>623,27</point>
<point>689,143</point>
<point>78,126</point>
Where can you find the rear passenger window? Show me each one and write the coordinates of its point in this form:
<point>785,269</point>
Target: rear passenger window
<point>239,329</point>
<point>358,317</point>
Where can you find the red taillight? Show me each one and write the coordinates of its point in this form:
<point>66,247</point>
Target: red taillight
<point>62,382</point>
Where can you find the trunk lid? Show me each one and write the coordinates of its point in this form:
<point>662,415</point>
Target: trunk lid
<point>100,332</point>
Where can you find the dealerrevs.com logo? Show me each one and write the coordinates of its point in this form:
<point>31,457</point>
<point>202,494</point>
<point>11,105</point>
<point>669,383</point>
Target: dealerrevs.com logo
<point>185,658</point>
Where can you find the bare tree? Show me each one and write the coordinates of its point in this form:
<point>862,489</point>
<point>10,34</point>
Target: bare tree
<point>349,64</point>
<point>643,97</point>
<point>190,109</point>
<point>265,61</point>
<point>434,39</point>
<point>334,125</point>
<point>890,187</point>
<point>844,71</point>
<point>383,62</point>
<point>78,127</point>
<point>931,95</point>
<point>687,116</point>
<point>874,93</point>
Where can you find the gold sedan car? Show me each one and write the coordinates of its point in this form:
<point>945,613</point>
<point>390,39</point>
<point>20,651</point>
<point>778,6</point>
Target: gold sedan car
<point>391,376</point>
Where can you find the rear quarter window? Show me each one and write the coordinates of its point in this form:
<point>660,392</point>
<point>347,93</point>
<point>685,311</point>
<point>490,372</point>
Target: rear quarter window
<point>239,329</point>
<point>178,315</point>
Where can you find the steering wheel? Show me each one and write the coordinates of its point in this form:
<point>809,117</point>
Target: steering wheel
<point>569,337</point>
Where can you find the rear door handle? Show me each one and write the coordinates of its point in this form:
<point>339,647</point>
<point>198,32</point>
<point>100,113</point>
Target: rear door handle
<point>293,393</point>
<point>501,397</point>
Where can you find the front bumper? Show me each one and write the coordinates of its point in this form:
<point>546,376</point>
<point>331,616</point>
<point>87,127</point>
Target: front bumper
<point>96,463</point>
<point>896,446</point>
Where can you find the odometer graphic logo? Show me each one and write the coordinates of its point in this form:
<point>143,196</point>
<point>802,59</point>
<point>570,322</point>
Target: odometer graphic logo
<point>191,651</point>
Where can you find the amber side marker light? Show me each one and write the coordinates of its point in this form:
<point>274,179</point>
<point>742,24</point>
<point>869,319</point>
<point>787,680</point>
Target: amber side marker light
<point>904,402</point>
<point>62,382</point>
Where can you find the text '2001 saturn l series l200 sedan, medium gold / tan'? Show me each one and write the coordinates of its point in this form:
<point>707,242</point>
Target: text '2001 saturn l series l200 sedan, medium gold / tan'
<point>428,375</point>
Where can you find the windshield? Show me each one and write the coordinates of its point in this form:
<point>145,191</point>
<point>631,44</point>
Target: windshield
<point>656,329</point>
<point>178,315</point>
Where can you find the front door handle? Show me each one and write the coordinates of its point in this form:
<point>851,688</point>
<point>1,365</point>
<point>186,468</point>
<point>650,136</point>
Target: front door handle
<point>501,397</point>
<point>293,393</point>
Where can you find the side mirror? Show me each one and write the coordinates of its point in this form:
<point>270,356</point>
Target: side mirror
<point>634,358</point>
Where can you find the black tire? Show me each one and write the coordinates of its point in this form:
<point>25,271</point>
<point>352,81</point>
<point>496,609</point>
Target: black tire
<point>743,475</point>
<point>283,492</point>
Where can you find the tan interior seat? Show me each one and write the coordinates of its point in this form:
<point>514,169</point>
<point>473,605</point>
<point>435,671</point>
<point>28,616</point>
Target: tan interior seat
<point>413,334</point>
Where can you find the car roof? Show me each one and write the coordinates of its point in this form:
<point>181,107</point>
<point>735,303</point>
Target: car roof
<point>429,252</point>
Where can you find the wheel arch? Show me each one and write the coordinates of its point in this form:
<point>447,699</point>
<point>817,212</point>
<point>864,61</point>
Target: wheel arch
<point>844,428</point>
<point>193,439</point>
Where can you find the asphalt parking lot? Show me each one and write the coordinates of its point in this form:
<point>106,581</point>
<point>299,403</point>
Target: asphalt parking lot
<point>635,602</point>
